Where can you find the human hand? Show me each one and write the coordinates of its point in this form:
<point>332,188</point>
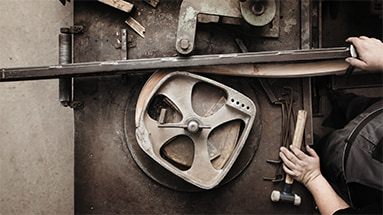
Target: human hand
<point>302,167</point>
<point>370,51</point>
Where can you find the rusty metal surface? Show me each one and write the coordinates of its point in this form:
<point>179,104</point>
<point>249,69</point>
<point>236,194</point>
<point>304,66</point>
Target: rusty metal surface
<point>96,46</point>
<point>227,10</point>
<point>187,22</point>
<point>107,177</point>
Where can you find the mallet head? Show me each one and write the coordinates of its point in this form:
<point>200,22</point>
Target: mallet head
<point>277,196</point>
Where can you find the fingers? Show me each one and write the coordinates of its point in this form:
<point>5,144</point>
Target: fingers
<point>369,51</point>
<point>294,156</point>
<point>359,42</point>
<point>288,158</point>
<point>288,171</point>
<point>354,40</point>
<point>364,38</point>
<point>356,62</point>
<point>300,155</point>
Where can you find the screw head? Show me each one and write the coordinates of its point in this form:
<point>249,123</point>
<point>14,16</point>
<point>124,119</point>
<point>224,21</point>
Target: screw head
<point>184,43</point>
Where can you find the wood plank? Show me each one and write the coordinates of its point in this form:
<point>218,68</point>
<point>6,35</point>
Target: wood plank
<point>277,70</point>
<point>119,4</point>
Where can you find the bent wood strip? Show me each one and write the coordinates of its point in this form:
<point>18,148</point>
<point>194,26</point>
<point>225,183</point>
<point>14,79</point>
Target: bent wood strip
<point>277,70</point>
<point>280,70</point>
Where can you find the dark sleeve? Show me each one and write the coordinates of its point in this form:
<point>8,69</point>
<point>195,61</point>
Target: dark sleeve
<point>375,208</point>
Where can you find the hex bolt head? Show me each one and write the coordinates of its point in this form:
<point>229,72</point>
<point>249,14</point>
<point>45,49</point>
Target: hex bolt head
<point>184,43</point>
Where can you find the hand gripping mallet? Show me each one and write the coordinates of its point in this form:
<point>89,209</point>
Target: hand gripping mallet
<point>286,195</point>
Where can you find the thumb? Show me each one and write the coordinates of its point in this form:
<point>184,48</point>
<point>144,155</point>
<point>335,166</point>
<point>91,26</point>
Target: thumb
<point>356,62</point>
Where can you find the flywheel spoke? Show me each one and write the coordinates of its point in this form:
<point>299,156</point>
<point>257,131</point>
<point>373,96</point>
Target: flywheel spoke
<point>160,136</point>
<point>180,93</point>
<point>225,114</point>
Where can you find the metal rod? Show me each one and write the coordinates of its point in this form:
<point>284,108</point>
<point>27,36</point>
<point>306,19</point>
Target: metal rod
<point>136,65</point>
<point>306,44</point>
<point>65,57</point>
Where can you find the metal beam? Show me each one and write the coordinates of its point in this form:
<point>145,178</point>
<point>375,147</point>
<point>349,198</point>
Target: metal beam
<point>138,65</point>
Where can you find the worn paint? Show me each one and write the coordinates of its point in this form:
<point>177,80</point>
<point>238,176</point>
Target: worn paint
<point>288,24</point>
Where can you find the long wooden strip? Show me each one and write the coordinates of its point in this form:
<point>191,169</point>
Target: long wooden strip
<point>277,70</point>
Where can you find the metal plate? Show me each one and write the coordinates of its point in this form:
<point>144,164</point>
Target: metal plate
<point>108,178</point>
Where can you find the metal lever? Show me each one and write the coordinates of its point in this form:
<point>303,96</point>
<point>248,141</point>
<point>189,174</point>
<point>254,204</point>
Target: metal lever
<point>134,65</point>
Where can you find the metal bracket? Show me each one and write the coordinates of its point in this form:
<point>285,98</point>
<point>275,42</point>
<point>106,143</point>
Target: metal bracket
<point>66,57</point>
<point>190,9</point>
<point>187,23</point>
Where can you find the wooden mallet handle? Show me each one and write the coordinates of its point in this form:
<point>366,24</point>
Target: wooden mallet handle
<point>298,136</point>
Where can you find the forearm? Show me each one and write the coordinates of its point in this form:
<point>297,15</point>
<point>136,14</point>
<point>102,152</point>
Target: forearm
<point>325,197</point>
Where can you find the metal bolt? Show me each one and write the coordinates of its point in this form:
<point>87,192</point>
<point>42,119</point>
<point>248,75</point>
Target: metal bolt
<point>184,44</point>
<point>193,126</point>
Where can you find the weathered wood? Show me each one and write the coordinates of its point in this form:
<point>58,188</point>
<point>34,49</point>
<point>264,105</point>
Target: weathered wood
<point>298,136</point>
<point>136,26</point>
<point>277,70</point>
<point>119,4</point>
